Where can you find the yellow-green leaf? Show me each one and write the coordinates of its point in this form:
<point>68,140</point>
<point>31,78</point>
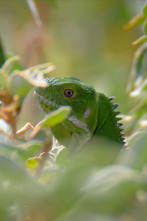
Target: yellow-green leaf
<point>56,117</point>
<point>8,63</point>
<point>136,20</point>
<point>145,10</point>
<point>145,27</point>
<point>140,40</point>
<point>32,163</point>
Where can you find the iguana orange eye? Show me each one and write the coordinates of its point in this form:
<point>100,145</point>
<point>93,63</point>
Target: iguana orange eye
<point>68,93</point>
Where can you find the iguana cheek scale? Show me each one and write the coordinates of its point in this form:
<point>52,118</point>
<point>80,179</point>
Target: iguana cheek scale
<point>93,114</point>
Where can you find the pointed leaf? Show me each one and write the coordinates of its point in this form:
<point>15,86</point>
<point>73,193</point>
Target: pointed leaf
<point>137,72</point>
<point>136,92</point>
<point>8,63</point>
<point>136,20</point>
<point>140,40</point>
<point>56,117</point>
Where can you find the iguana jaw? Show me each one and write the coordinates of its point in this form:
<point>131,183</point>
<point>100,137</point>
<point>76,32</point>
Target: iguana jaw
<point>47,104</point>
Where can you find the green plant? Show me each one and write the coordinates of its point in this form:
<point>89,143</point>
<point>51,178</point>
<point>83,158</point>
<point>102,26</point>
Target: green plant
<point>41,181</point>
<point>138,80</point>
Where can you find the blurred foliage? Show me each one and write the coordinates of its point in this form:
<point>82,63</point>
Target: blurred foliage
<point>40,180</point>
<point>138,79</point>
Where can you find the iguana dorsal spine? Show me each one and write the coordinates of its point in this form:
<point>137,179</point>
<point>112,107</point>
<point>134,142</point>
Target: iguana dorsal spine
<point>108,123</point>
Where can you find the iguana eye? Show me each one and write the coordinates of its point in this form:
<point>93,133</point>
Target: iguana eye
<point>68,93</point>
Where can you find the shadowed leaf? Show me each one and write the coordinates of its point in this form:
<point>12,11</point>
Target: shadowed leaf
<point>136,156</point>
<point>137,72</point>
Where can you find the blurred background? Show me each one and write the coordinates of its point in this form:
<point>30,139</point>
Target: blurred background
<point>82,38</point>
<point>85,39</point>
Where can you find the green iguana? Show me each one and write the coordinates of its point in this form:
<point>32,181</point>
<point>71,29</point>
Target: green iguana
<point>92,114</point>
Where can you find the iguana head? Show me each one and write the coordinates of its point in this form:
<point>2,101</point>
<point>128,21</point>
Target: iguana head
<point>69,91</point>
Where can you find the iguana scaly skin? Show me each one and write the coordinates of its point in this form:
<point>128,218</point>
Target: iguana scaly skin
<point>92,113</point>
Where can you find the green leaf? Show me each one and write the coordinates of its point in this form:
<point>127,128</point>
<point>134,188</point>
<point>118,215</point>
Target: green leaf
<point>140,40</point>
<point>145,10</point>
<point>138,62</point>
<point>28,149</point>
<point>22,150</point>
<point>56,117</point>
<point>32,163</point>
<point>8,66</point>
<point>63,157</point>
<point>137,72</point>
<point>16,185</point>
<point>32,146</point>
<point>9,63</point>
<point>12,171</point>
<point>136,156</point>
<point>145,27</point>
<point>111,190</point>
<point>140,89</point>
<point>136,20</point>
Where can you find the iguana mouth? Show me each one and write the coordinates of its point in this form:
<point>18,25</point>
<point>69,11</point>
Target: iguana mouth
<point>51,105</point>
<point>46,102</point>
